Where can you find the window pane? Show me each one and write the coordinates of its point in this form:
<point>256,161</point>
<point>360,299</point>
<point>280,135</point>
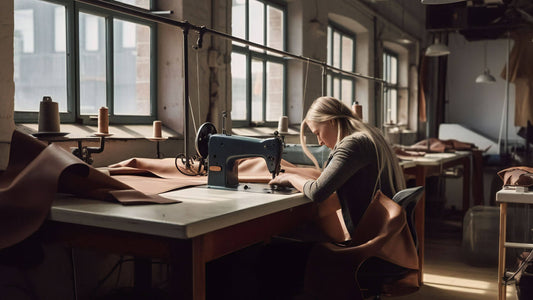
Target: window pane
<point>38,69</point>
<point>238,19</point>
<point>131,69</point>
<point>385,67</point>
<point>92,64</point>
<point>274,104</point>
<point>128,33</point>
<point>330,37</point>
<point>139,3</point>
<point>336,49</point>
<point>386,101</point>
<point>346,93</point>
<point>393,106</point>
<point>257,23</point>
<point>91,33</point>
<point>336,88</point>
<point>394,70</point>
<point>24,31</point>
<point>329,87</point>
<point>60,33</point>
<point>257,91</point>
<point>275,28</point>
<point>238,86</point>
<point>347,54</point>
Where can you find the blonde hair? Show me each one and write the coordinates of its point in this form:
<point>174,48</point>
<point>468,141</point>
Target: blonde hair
<point>326,109</point>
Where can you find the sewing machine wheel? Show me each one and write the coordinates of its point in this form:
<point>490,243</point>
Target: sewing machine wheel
<point>202,138</point>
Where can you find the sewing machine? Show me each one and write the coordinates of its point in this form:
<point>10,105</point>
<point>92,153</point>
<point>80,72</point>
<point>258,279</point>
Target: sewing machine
<point>223,150</point>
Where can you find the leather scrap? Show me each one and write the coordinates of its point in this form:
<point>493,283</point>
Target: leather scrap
<point>517,176</point>
<point>151,175</point>
<point>440,146</point>
<point>36,172</point>
<point>383,232</point>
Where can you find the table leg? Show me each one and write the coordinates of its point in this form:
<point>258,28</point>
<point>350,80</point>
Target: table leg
<point>466,184</point>
<point>188,275</point>
<point>420,213</point>
<point>501,258</point>
<point>198,269</point>
<point>143,275</point>
<point>477,177</point>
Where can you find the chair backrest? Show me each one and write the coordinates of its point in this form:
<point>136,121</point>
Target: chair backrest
<point>408,199</point>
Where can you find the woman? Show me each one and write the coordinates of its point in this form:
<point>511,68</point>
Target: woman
<point>360,163</point>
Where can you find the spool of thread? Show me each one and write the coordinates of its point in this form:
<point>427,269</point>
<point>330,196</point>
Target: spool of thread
<point>358,109</point>
<point>48,115</point>
<point>103,120</point>
<point>283,124</point>
<point>157,129</point>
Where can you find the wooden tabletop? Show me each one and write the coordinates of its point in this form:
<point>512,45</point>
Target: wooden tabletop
<point>202,210</point>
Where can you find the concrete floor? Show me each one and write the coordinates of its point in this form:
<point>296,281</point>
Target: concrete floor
<point>447,274</point>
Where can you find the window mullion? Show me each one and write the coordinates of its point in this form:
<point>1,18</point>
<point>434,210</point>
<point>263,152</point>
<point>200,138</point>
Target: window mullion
<point>248,63</point>
<point>75,43</point>
<point>248,87</point>
<point>72,62</point>
<point>110,46</point>
<point>264,81</point>
<point>264,96</point>
<point>247,22</point>
<point>265,24</point>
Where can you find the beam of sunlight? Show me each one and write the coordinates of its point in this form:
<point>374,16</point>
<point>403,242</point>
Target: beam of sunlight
<point>457,288</point>
<point>457,283</point>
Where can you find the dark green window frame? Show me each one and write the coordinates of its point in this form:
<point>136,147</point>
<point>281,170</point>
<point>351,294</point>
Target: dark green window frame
<point>264,57</point>
<point>73,9</point>
<point>391,84</point>
<point>332,75</point>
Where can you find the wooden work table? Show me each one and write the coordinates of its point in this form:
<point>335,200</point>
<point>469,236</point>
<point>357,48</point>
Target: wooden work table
<point>426,166</point>
<point>504,197</point>
<point>206,225</point>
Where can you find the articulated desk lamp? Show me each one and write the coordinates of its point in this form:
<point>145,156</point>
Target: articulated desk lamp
<point>222,152</point>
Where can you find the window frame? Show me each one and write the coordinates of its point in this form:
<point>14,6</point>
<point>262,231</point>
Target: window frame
<point>387,54</point>
<point>332,75</point>
<point>73,114</point>
<point>263,56</point>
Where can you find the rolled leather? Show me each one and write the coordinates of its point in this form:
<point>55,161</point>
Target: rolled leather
<point>36,172</point>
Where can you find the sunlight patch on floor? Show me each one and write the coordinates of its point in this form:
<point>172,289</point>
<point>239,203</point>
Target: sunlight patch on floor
<point>458,284</point>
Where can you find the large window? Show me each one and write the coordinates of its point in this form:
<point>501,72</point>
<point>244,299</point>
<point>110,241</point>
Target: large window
<point>258,76</point>
<point>390,93</point>
<point>341,55</point>
<point>84,57</point>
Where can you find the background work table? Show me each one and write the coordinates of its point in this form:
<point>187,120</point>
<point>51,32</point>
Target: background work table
<point>504,197</point>
<point>429,165</point>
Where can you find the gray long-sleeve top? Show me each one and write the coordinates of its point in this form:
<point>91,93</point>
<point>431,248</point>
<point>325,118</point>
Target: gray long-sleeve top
<point>351,171</point>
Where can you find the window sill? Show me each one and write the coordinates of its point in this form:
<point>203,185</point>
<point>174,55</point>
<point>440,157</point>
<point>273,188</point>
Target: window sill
<point>262,132</point>
<point>118,132</point>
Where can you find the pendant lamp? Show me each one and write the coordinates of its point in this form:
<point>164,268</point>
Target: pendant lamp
<point>486,77</point>
<point>437,49</point>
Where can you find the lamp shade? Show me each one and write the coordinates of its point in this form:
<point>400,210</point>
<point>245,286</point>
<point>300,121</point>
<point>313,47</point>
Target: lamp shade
<point>440,1</point>
<point>486,77</point>
<point>437,49</point>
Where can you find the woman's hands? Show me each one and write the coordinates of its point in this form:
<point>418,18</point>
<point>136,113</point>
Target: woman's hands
<point>281,179</point>
<point>285,179</point>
